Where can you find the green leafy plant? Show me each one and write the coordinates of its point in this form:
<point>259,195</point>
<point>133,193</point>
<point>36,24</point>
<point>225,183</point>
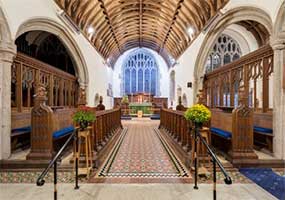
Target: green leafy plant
<point>125,99</point>
<point>83,116</point>
<point>198,113</point>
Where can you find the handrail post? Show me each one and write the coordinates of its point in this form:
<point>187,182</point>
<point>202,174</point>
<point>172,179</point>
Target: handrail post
<point>76,159</point>
<point>195,156</point>
<point>214,180</point>
<point>55,179</point>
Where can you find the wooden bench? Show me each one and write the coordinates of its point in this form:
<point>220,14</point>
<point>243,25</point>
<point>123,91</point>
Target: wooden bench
<point>221,127</point>
<point>263,132</point>
<point>50,129</point>
<point>20,129</point>
<point>234,129</point>
<point>62,126</point>
<point>48,126</point>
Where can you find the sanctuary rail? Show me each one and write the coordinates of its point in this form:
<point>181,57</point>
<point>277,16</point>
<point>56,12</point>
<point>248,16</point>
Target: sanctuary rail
<point>215,161</point>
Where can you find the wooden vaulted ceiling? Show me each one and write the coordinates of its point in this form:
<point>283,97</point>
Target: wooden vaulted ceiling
<point>161,25</point>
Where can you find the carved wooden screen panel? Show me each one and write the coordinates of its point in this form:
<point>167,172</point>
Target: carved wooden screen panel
<point>14,83</point>
<point>27,73</point>
<point>41,134</point>
<point>28,80</point>
<point>252,71</point>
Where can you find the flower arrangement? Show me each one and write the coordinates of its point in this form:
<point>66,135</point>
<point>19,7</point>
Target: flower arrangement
<point>83,116</point>
<point>198,114</point>
<point>125,100</point>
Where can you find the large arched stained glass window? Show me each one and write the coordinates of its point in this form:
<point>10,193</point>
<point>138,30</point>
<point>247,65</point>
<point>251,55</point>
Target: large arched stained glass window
<point>225,50</point>
<point>140,73</point>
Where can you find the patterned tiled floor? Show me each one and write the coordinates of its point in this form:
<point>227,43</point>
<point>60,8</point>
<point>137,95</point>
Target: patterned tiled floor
<point>141,157</point>
<point>141,153</point>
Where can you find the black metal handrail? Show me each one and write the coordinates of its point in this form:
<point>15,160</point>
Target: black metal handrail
<point>215,161</point>
<point>53,162</point>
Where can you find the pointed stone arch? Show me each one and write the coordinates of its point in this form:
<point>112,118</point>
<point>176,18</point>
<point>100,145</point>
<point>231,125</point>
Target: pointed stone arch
<point>231,17</point>
<point>53,27</point>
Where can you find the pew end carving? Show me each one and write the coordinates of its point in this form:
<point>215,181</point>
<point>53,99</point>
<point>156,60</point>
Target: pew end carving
<point>42,125</point>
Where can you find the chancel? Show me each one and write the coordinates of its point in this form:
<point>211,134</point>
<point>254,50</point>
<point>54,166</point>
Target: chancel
<point>141,99</point>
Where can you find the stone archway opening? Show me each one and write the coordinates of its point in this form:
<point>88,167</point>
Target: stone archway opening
<point>51,27</point>
<point>253,25</point>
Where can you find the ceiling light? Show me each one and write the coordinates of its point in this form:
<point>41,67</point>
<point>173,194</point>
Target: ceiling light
<point>190,32</point>
<point>90,30</point>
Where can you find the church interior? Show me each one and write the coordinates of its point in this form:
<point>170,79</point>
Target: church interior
<point>142,99</point>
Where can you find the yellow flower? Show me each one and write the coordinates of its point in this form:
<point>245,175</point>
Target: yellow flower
<point>198,113</point>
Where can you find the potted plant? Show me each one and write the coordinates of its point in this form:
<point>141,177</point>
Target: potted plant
<point>84,116</point>
<point>125,100</point>
<point>125,105</point>
<point>198,114</point>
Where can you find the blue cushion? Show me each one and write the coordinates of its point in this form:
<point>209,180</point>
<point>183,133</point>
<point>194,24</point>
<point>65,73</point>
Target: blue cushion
<point>262,130</point>
<point>63,132</point>
<point>23,129</point>
<point>221,132</point>
<point>156,116</point>
<point>126,117</point>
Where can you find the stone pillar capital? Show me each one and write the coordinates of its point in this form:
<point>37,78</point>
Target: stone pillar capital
<point>82,84</point>
<point>7,52</point>
<point>278,44</point>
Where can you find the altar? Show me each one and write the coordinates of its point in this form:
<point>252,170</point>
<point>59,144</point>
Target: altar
<point>140,104</point>
<point>140,98</point>
<point>135,107</point>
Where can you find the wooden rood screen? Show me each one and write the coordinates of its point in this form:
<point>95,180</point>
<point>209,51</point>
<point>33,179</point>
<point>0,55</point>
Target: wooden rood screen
<point>27,73</point>
<point>221,85</point>
<point>241,125</point>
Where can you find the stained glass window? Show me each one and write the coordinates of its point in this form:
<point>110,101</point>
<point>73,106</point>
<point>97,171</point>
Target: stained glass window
<point>224,51</point>
<point>140,73</point>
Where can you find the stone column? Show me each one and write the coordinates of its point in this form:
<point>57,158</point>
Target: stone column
<point>7,53</point>
<point>279,100</point>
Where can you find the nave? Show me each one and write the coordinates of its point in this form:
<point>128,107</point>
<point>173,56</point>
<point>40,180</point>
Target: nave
<point>110,98</point>
<point>144,159</point>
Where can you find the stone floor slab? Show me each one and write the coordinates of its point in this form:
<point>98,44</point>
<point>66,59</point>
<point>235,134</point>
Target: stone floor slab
<point>133,192</point>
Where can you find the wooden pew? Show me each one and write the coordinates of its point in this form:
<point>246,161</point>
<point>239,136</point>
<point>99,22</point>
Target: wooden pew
<point>263,131</point>
<point>20,129</point>
<point>106,124</point>
<point>236,130</point>
<point>48,126</point>
<point>177,127</point>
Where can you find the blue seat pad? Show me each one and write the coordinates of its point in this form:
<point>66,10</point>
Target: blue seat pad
<point>22,129</point>
<point>221,132</point>
<point>155,116</point>
<point>63,132</point>
<point>263,130</point>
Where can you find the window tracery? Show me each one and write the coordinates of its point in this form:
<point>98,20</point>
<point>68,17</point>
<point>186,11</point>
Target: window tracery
<point>225,50</point>
<point>140,73</point>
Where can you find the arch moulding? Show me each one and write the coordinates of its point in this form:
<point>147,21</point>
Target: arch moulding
<point>231,17</point>
<point>53,27</point>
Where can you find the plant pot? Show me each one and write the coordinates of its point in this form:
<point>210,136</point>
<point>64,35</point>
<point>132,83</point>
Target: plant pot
<point>83,125</point>
<point>198,125</point>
